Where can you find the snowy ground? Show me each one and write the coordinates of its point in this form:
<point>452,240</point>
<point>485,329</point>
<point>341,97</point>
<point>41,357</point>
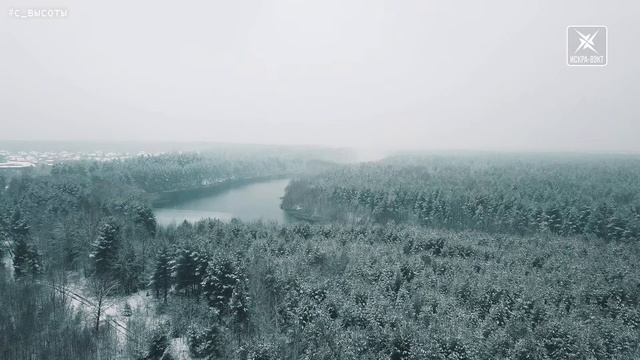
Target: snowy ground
<point>131,326</point>
<point>180,349</point>
<point>6,260</point>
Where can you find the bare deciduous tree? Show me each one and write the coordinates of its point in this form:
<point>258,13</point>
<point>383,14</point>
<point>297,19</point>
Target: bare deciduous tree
<point>100,290</point>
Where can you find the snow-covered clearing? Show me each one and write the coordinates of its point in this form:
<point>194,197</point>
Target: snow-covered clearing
<point>133,316</point>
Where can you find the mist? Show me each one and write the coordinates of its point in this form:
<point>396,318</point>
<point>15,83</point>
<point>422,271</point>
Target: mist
<point>377,75</point>
<point>288,179</point>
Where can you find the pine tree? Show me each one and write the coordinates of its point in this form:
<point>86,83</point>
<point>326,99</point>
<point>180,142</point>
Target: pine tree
<point>161,278</point>
<point>127,311</point>
<point>553,219</point>
<point>143,216</point>
<point>599,221</point>
<point>18,227</point>
<point>105,248</point>
<point>520,222</point>
<point>239,304</point>
<point>19,233</point>
<point>213,342</point>
<point>21,257</point>
<point>219,283</point>
<point>539,221</point>
<point>184,270</point>
<point>616,228</point>
<point>127,269</point>
<point>571,225</point>
<point>158,346</point>
<point>26,258</point>
<point>583,219</point>
<point>202,263</point>
<point>34,261</point>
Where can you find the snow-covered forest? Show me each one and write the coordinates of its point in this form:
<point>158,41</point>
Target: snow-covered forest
<point>319,180</point>
<point>412,257</point>
<point>526,194</point>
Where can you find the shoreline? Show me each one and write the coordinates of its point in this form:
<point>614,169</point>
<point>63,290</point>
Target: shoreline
<point>172,197</point>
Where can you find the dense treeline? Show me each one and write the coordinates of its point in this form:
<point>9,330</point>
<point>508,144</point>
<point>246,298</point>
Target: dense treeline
<point>95,219</point>
<point>58,215</point>
<point>563,195</point>
<point>183,171</point>
<point>356,290</point>
<point>252,291</point>
<point>52,220</point>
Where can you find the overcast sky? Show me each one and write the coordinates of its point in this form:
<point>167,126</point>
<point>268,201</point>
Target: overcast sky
<point>388,74</point>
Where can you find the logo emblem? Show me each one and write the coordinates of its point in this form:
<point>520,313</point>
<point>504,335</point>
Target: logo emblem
<point>587,45</point>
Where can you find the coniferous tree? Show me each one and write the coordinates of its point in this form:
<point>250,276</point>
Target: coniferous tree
<point>18,226</point>
<point>553,219</point>
<point>161,278</point>
<point>105,248</point>
<point>144,217</point>
<point>571,226</point>
<point>34,261</point>
<point>26,258</point>
<point>212,342</point>
<point>599,221</point>
<point>219,283</point>
<point>202,262</point>
<point>616,228</point>
<point>239,305</point>
<point>127,269</point>
<point>583,219</point>
<point>21,257</point>
<point>158,346</point>
<point>184,270</point>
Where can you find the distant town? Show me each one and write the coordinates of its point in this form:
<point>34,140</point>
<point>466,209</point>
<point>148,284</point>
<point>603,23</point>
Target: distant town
<point>26,159</point>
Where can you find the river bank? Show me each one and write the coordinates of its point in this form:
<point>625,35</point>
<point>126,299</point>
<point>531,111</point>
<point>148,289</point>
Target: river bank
<point>168,198</point>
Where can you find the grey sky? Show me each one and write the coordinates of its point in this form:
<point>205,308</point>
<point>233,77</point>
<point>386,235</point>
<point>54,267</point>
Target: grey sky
<point>405,74</point>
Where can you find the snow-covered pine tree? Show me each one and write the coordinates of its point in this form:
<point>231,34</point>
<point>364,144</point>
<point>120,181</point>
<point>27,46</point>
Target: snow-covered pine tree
<point>184,270</point>
<point>161,278</point>
<point>239,305</point>
<point>158,345</point>
<point>105,248</point>
<point>143,216</point>
<point>222,277</point>
<point>553,218</point>
<point>21,257</point>
<point>35,261</point>
<point>26,259</point>
<point>18,227</point>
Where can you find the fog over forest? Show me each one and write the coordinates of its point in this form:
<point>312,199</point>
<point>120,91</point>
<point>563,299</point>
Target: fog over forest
<point>331,180</point>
